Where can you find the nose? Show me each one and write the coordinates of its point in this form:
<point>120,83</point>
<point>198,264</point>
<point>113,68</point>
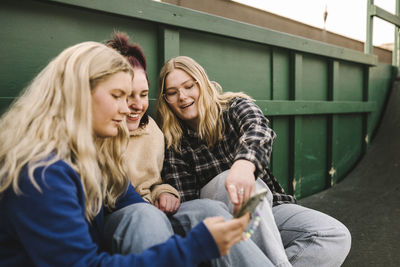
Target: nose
<point>124,108</point>
<point>135,103</point>
<point>182,94</point>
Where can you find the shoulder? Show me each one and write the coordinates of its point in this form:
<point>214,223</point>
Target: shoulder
<point>150,141</point>
<point>153,127</point>
<point>154,133</point>
<point>242,105</point>
<point>240,101</point>
<point>55,176</point>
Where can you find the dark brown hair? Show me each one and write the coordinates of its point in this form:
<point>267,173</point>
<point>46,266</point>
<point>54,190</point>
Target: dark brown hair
<point>135,56</point>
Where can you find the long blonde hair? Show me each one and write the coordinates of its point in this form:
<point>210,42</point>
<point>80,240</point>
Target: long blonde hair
<point>52,120</point>
<point>212,102</point>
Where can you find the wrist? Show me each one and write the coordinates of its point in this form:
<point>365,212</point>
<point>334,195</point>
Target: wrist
<point>244,164</point>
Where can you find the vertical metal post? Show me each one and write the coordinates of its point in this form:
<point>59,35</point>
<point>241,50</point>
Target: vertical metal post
<point>169,40</point>
<point>333,125</point>
<point>395,57</point>
<point>368,46</point>
<point>297,126</point>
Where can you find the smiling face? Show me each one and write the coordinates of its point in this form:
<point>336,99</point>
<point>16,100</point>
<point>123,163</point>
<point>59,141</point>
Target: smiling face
<point>138,101</point>
<point>186,105</point>
<point>109,103</point>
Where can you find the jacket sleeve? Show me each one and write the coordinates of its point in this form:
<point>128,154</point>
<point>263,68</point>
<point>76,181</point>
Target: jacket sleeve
<point>51,227</point>
<point>159,187</point>
<point>145,161</point>
<point>255,136</point>
<point>177,172</point>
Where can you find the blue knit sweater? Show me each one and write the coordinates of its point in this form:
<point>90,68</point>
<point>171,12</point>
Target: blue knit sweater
<point>48,228</point>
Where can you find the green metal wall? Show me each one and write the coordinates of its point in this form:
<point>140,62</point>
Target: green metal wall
<point>323,101</point>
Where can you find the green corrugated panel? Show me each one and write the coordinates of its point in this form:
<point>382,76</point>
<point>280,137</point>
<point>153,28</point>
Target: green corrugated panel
<point>237,65</point>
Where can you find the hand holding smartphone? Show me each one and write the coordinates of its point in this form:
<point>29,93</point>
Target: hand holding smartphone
<point>251,204</point>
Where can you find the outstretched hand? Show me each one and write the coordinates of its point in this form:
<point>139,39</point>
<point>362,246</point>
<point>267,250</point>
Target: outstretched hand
<point>227,233</point>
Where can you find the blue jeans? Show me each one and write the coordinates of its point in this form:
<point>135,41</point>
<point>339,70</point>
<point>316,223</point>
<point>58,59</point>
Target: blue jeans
<point>291,232</point>
<point>310,237</point>
<point>266,236</point>
<point>135,228</point>
<point>140,226</point>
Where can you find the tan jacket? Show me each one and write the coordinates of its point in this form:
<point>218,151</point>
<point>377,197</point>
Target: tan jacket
<point>145,157</point>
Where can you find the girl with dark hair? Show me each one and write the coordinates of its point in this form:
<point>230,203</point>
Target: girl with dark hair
<point>145,152</point>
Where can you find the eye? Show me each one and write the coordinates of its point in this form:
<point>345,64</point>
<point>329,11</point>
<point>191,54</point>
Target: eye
<point>116,96</point>
<point>171,92</point>
<point>189,86</point>
<point>144,94</point>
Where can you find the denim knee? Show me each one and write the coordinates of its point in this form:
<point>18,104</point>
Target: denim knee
<point>211,208</point>
<point>195,211</point>
<point>337,242</point>
<point>343,245</point>
<point>145,218</point>
<point>136,227</point>
<point>329,247</point>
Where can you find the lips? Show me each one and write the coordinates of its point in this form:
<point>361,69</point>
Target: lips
<point>118,122</point>
<point>133,117</point>
<point>186,105</point>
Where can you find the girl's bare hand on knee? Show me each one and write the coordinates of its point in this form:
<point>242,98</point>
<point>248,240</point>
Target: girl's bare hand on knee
<point>227,233</point>
<point>167,203</point>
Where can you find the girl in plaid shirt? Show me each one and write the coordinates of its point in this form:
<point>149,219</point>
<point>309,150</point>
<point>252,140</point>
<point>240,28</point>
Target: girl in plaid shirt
<point>218,146</point>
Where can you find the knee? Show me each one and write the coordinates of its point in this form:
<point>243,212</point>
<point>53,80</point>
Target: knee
<point>212,208</point>
<point>343,246</point>
<point>141,216</point>
<point>199,209</point>
<point>145,214</point>
<point>135,228</point>
<point>335,243</point>
<point>340,237</point>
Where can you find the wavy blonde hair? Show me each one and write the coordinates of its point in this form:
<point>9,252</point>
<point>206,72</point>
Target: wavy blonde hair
<point>212,102</point>
<point>52,120</point>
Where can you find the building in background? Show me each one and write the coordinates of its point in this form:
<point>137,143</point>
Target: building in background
<point>240,12</point>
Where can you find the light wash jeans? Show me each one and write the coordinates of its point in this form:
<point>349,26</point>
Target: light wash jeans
<point>309,237</point>
<point>266,236</point>
<point>140,226</point>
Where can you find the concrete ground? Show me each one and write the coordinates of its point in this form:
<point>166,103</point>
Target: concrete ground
<point>367,200</point>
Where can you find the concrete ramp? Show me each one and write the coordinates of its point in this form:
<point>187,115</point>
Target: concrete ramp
<point>367,200</point>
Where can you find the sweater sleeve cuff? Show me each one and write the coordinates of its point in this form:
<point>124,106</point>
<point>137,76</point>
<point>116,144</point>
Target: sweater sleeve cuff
<point>164,188</point>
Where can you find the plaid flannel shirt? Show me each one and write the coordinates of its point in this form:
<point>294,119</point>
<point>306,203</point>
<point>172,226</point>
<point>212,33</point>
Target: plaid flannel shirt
<point>247,136</point>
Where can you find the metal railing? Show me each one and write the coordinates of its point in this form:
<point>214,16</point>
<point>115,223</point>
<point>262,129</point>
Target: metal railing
<point>372,11</point>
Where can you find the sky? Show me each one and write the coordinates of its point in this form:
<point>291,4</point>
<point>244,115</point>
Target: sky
<point>345,17</point>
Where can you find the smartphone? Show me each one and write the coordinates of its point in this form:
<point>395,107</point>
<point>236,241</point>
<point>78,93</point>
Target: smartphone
<point>251,204</point>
